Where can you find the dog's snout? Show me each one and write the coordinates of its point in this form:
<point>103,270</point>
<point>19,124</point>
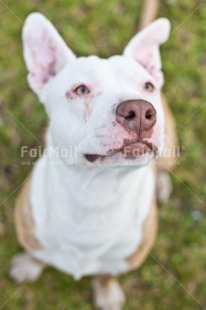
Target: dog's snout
<point>138,115</point>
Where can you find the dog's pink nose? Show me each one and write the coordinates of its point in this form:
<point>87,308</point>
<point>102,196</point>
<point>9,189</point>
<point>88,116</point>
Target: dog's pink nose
<point>138,115</point>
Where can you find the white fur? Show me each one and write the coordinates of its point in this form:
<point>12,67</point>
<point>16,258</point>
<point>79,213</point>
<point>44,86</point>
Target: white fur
<point>110,297</point>
<point>25,269</point>
<point>89,216</point>
<point>89,220</point>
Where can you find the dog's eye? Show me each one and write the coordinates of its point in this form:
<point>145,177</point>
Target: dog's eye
<point>149,87</point>
<point>82,90</point>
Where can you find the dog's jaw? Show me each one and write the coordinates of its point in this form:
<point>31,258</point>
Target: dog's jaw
<point>129,151</point>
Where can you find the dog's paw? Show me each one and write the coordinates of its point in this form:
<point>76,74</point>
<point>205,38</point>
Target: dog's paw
<point>24,268</point>
<point>110,297</point>
<point>164,186</point>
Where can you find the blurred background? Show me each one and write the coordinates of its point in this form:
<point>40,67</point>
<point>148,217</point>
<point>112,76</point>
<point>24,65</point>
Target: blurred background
<point>174,275</point>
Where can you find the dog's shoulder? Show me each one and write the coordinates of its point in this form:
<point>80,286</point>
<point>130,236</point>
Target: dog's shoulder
<point>149,231</point>
<point>24,220</point>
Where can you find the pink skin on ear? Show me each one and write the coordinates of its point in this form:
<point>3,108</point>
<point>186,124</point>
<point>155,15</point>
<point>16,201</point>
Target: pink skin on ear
<point>40,74</point>
<point>144,48</point>
<point>45,52</point>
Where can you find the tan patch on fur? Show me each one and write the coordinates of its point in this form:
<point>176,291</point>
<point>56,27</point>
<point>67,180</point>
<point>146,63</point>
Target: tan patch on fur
<point>166,163</point>
<point>107,293</point>
<point>24,221</point>
<point>150,9</point>
<point>149,232</point>
<point>104,280</point>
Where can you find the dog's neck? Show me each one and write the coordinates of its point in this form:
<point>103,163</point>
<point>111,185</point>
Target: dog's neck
<point>96,183</point>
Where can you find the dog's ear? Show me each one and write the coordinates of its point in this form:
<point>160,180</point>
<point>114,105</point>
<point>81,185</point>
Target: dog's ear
<point>45,52</point>
<point>144,47</point>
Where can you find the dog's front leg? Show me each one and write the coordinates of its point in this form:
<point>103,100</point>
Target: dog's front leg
<point>107,293</point>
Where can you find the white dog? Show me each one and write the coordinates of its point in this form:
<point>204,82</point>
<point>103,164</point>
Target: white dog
<point>91,210</point>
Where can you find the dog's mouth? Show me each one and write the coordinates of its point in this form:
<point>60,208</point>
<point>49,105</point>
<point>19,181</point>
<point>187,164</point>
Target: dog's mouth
<point>130,151</point>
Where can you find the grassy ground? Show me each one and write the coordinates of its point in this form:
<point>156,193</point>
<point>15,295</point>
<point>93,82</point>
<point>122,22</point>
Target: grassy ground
<point>173,277</point>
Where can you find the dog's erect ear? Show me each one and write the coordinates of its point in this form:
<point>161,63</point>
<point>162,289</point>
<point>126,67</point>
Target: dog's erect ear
<point>144,47</point>
<point>45,52</point>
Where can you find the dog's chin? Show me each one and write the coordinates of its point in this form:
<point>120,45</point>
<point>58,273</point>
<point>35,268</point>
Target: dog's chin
<point>138,153</point>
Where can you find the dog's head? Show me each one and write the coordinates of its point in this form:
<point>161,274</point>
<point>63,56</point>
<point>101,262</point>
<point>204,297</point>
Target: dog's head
<point>108,110</point>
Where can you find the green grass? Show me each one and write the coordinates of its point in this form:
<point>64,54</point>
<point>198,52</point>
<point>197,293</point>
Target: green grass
<point>176,270</point>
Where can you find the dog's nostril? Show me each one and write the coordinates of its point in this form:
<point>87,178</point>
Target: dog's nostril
<point>131,115</point>
<point>149,114</point>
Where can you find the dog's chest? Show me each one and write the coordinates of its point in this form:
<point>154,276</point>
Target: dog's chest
<point>96,224</point>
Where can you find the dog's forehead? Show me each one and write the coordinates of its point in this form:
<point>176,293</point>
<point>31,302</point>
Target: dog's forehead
<point>127,68</point>
<point>113,68</point>
<point>93,62</point>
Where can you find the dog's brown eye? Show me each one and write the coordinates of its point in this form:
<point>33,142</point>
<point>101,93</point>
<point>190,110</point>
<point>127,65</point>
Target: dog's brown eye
<point>82,90</point>
<point>149,87</point>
